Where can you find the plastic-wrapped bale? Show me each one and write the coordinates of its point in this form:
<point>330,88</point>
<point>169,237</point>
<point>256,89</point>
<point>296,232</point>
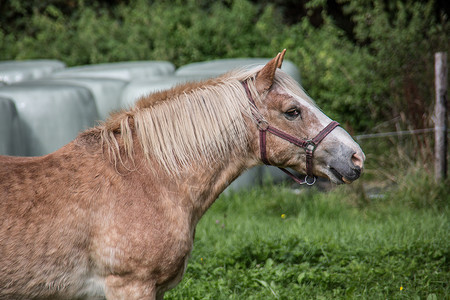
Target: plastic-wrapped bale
<point>9,135</point>
<point>121,70</point>
<point>140,88</point>
<point>106,91</point>
<point>218,67</point>
<point>15,71</point>
<point>249,178</point>
<point>50,115</point>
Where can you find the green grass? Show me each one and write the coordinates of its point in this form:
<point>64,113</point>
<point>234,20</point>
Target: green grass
<point>327,246</point>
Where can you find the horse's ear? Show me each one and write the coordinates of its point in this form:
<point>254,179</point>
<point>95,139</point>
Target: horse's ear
<point>264,78</point>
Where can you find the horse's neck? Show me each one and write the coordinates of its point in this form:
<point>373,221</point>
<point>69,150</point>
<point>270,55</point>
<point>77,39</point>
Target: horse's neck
<point>197,186</point>
<point>206,183</point>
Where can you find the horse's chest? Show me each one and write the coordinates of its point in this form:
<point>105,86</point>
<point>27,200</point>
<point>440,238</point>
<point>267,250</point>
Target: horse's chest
<point>158,244</point>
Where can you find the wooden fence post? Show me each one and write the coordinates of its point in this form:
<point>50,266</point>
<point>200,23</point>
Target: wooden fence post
<point>440,116</point>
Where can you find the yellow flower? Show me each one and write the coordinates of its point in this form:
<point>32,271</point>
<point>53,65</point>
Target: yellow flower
<point>283,216</point>
<point>401,288</point>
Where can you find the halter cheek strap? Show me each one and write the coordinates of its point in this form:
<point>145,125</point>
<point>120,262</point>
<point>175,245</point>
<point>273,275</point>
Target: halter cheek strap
<point>309,145</point>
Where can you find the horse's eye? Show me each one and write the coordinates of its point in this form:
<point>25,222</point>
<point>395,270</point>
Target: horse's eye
<point>292,113</point>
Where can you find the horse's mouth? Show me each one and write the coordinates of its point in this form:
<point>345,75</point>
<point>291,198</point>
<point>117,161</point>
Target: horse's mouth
<point>338,178</point>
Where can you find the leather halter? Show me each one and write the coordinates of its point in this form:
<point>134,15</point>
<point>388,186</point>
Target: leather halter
<point>309,145</point>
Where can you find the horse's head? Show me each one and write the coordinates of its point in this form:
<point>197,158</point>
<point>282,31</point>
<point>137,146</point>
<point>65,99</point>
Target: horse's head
<point>288,120</point>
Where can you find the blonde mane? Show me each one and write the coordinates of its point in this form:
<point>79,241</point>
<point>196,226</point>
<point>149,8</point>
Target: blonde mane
<point>194,122</point>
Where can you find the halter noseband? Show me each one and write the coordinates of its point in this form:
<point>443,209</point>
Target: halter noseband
<point>309,145</point>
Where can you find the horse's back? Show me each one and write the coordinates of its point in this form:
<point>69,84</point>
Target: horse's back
<point>26,182</point>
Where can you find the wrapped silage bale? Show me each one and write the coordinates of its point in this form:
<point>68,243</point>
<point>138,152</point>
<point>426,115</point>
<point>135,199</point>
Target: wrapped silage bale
<point>106,91</point>
<point>12,71</point>
<point>9,134</point>
<point>50,115</point>
<point>218,67</point>
<point>140,88</point>
<point>128,71</point>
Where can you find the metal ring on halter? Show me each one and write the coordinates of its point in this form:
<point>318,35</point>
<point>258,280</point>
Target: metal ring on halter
<point>310,183</point>
<point>310,145</point>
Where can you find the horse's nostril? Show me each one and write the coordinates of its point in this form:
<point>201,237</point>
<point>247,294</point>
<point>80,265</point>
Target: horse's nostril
<point>357,171</point>
<point>358,160</point>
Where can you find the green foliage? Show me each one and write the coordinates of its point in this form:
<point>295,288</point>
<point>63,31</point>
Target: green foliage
<point>335,72</point>
<point>180,32</point>
<point>323,248</point>
<point>402,37</point>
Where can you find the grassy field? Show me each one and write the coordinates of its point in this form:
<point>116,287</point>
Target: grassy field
<point>279,243</point>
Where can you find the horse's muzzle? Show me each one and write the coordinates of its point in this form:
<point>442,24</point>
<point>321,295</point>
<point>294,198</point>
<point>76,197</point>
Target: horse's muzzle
<point>347,166</point>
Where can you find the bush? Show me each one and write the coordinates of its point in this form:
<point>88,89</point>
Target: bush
<point>140,30</point>
<point>403,37</point>
<point>335,72</point>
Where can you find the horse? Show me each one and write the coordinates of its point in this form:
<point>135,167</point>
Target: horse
<point>113,213</point>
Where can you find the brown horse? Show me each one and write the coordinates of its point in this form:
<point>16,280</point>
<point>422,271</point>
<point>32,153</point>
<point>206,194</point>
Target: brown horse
<point>113,213</point>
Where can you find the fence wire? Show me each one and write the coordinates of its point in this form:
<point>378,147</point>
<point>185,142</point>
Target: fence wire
<point>395,133</point>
